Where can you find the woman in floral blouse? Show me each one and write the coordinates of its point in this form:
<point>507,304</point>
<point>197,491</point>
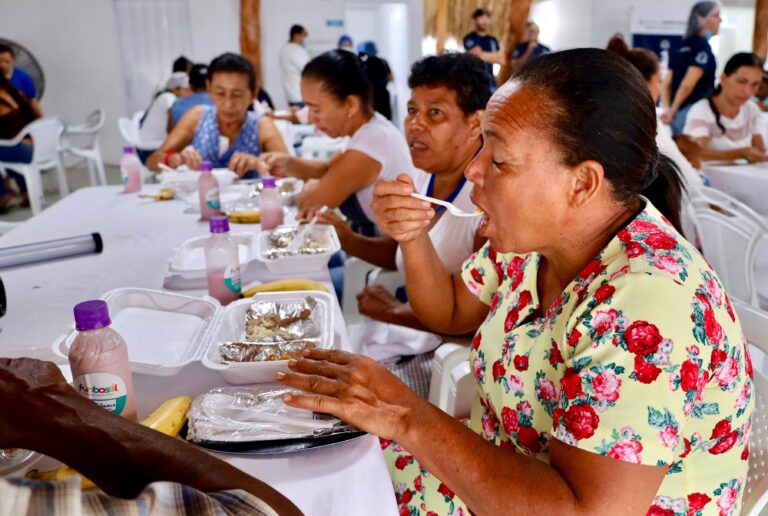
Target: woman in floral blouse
<point>612,374</point>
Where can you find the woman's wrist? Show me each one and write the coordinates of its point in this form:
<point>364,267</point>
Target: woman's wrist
<point>167,156</point>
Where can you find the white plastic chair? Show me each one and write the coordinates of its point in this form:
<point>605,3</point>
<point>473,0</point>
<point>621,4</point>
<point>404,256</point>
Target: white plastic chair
<point>321,147</point>
<point>355,279</point>
<point>87,147</point>
<point>286,131</point>
<point>129,130</point>
<point>730,232</point>
<point>443,387</point>
<point>45,134</point>
<point>754,323</point>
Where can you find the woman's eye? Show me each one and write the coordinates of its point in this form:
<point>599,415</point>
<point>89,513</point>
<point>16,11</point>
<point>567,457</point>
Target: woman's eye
<point>434,112</point>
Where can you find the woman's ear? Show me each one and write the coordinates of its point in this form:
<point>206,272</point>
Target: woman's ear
<point>587,179</point>
<point>474,122</point>
<point>353,105</point>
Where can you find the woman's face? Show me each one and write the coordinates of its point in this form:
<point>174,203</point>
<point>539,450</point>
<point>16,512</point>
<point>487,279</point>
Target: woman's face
<point>712,21</point>
<point>329,114</point>
<point>654,85</point>
<point>519,180</point>
<point>231,95</point>
<point>741,85</point>
<point>439,135</point>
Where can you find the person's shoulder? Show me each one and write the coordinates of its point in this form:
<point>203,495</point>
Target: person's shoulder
<point>470,40</point>
<point>752,110</point>
<point>544,48</point>
<point>701,109</point>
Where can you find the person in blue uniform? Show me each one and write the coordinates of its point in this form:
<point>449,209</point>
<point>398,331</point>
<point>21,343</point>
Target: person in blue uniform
<point>530,48</point>
<point>483,45</point>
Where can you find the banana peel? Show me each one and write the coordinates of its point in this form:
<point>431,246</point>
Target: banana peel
<point>285,285</point>
<point>168,418</point>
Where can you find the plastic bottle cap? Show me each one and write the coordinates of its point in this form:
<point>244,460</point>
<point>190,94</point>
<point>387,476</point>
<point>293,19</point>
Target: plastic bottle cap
<point>206,166</point>
<point>219,224</point>
<point>91,315</point>
<point>128,150</point>
<point>269,182</point>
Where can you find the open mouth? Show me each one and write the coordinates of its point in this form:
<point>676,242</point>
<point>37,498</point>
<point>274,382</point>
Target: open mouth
<point>418,146</point>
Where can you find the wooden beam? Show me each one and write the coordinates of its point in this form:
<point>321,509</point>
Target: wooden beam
<point>760,39</point>
<point>518,18</point>
<point>442,25</point>
<point>250,35</point>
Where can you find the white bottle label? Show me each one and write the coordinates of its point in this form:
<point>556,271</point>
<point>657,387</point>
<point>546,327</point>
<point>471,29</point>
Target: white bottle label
<point>232,279</point>
<point>212,199</point>
<point>105,389</point>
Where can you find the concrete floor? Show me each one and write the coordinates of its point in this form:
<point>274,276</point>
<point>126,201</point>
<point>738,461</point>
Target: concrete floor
<point>77,177</point>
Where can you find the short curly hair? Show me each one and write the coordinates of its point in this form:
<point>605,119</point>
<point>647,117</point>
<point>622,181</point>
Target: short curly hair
<point>463,73</point>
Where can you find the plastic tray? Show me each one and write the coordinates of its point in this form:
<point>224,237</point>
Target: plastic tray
<point>189,258</point>
<point>224,176</point>
<point>301,263</point>
<point>164,331</point>
<point>231,327</point>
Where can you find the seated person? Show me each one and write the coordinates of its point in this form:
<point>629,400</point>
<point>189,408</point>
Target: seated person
<point>154,125</point>
<point>162,475</point>
<point>530,48</point>
<point>18,77</point>
<point>198,77</point>
<point>16,112</point>
<point>442,128</point>
<point>612,375</point>
<point>227,134</point>
<point>337,91</point>
<point>726,124</point>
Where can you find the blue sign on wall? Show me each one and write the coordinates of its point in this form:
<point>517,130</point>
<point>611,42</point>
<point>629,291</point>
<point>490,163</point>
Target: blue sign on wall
<point>334,23</point>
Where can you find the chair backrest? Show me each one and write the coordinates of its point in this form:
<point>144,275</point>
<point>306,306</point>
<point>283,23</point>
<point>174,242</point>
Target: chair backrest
<point>128,131</point>
<point>286,131</point>
<point>45,134</point>
<point>754,323</point>
<point>321,147</point>
<point>729,234</point>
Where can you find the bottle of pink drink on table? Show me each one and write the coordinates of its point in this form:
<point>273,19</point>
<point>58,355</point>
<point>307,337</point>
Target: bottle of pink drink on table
<point>222,262</point>
<point>98,358</point>
<point>130,168</point>
<point>270,204</point>
<point>208,187</point>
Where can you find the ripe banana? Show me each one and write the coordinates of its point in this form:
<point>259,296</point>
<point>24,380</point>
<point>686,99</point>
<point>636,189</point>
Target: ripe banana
<point>245,217</point>
<point>285,285</point>
<point>168,418</point>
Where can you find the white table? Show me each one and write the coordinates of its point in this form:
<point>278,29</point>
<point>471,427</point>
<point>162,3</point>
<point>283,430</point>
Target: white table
<point>747,183</point>
<point>139,237</point>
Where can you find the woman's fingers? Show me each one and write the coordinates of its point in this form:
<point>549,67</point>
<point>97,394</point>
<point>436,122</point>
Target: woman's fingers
<point>331,355</point>
<point>315,403</point>
<point>313,383</point>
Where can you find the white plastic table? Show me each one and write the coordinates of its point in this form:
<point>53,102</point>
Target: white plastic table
<point>139,238</point>
<point>747,183</point>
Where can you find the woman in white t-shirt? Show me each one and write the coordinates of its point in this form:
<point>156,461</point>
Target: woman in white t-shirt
<point>726,124</point>
<point>335,88</point>
<point>448,97</point>
<point>154,126</point>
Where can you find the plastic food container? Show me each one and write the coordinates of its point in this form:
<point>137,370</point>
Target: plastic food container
<point>189,258</point>
<point>223,176</point>
<point>166,331</point>
<point>303,262</point>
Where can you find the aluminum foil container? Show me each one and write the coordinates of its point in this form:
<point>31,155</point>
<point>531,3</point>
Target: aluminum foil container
<point>264,352</point>
<point>317,242</point>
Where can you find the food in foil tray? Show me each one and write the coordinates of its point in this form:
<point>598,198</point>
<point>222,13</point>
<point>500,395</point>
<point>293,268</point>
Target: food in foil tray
<point>316,242</point>
<point>284,186</point>
<point>276,330</point>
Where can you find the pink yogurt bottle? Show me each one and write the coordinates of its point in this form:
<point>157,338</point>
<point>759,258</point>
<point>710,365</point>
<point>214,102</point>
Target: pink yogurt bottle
<point>222,262</point>
<point>130,169</point>
<point>98,358</point>
<point>270,204</point>
<point>208,187</point>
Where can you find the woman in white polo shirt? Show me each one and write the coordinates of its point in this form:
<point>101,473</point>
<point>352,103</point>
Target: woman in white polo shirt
<point>726,123</point>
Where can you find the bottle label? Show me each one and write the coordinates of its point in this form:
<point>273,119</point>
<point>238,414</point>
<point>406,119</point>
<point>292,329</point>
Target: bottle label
<point>105,389</point>
<point>212,199</point>
<point>125,179</point>
<point>232,279</point>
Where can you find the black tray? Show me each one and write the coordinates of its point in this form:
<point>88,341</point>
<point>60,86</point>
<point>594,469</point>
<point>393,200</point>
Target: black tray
<point>279,446</point>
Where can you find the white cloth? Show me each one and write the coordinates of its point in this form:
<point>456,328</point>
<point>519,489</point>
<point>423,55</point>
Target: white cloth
<point>155,126</point>
<point>701,123</point>
<point>293,59</point>
<point>453,238</point>
<point>380,140</point>
<point>667,146</point>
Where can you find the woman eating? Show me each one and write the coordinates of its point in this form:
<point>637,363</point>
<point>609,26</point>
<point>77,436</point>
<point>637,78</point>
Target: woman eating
<point>442,128</point>
<point>691,74</point>
<point>335,87</point>
<point>726,124</point>
<point>612,375</point>
<point>227,134</point>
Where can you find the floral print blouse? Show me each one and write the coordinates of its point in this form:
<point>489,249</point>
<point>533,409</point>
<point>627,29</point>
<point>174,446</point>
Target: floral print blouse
<point>640,359</point>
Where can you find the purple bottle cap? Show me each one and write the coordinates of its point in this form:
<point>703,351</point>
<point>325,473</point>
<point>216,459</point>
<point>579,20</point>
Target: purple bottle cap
<point>219,224</point>
<point>91,315</point>
<point>269,182</point>
<point>206,166</point>
<point>128,150</point>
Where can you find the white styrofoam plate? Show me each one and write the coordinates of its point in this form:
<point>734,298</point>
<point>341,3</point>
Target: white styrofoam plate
<point>189,258</point>
<point>223,176</point>
<point>301,263</point>
<point>231,327</point>
<point>164,331</point>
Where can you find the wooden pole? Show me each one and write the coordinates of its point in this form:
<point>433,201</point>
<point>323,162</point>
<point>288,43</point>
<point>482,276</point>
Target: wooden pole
<point>518,18</point>
<point>250,35</point>
<point>442,25</point>
<point>760,39</point>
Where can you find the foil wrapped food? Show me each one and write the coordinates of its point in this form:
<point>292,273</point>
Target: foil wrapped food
<point>276,330</point>
<point>316,242</point>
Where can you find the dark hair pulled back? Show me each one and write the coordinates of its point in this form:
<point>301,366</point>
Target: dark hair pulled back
<point>343,75</point>
<point>734,63</point>
<point>233,63</point>
<point>597,106</point>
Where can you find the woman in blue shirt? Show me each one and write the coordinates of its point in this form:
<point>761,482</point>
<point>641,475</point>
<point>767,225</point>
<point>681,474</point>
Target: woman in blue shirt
<point>691,74</point>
